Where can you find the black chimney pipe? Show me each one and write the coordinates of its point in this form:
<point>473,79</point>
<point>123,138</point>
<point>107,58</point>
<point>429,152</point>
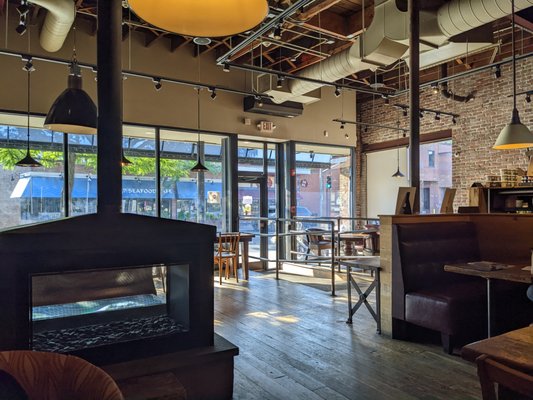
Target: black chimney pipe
<point>109,65</point>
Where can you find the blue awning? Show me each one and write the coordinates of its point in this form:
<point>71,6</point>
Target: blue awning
<point>187,190</point>
<point>52,187</point>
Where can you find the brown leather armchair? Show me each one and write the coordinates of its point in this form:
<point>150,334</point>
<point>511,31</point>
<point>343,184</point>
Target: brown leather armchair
<point>52,376</point>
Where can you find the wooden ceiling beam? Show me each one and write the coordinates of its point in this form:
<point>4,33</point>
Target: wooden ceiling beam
<point>176,42</point>
<point>355,25</point>
<point>328,23</point>
<point>311,12</point>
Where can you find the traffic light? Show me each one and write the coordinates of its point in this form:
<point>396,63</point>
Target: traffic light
<point>328,182</point>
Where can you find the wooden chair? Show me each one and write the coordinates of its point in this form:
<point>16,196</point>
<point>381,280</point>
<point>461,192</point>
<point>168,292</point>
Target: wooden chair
<point>511,382</point>
<point>315,240</point>
<point>227,254</point>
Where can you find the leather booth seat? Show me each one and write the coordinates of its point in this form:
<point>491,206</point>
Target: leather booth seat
<point>453,304</point>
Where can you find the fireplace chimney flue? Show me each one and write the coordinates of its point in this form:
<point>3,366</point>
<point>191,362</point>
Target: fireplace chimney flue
<point>109,39</point>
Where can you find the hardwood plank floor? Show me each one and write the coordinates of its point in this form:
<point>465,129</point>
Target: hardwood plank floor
<point>294,344</point>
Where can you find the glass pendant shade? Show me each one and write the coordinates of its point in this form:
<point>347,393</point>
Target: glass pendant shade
<point>73,111</point>
<point>514,135</point>
<point>205,18</point>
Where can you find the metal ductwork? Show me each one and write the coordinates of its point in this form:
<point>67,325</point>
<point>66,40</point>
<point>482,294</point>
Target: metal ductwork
<point>57,24</point>
<point>386,40</point>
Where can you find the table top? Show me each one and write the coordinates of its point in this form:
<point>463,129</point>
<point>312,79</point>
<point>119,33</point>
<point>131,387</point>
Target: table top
<point>514,349</point>
<point>366,262</point>
<point>244,236</point>
<point>513,274</point>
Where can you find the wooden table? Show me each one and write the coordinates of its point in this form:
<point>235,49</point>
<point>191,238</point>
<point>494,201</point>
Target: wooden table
<point>372,263</point>
<point>245,240</point>
<point>512,274</point>
<point>363,235</point>
<point>514,349</point>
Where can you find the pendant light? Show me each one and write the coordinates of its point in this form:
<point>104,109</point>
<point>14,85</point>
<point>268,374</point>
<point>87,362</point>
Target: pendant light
<point>398,173</point>
<point>73,111</point>
<point>199,167</point>
<point>124,161</point>
<point>206,18</point>
<point>514,135</point>
<point>28,160</point>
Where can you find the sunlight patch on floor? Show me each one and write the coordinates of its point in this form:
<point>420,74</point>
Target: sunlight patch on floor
<point>273,318</point>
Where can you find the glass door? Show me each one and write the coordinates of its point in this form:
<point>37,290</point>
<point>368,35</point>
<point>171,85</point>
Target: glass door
<point>253,204</point>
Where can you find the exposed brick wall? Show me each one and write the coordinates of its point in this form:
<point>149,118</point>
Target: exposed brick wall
<point>477,128</point>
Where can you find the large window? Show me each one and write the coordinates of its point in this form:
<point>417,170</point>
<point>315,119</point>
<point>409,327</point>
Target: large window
<point>197,197</point>
<point>138,172</point>
<point>435,176</point>
<point>82,173</point>
<point>29,195</point>
<point>323,176</point>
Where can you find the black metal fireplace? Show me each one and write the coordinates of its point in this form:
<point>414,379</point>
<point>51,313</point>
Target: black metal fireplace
<point>104,286</point>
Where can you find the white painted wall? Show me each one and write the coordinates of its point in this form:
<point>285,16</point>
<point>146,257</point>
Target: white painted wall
<point>382,188</point>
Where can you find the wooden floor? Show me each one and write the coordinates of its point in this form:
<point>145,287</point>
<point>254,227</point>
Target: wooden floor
<point>294,344</point>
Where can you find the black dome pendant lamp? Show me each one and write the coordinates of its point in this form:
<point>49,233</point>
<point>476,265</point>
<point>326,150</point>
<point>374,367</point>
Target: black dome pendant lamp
<point>28,160</point>
<point>73,111</point>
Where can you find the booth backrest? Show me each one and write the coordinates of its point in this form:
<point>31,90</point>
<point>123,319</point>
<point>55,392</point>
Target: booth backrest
<point>426,247</point>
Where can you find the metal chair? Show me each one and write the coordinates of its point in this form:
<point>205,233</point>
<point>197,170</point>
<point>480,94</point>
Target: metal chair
<point>227,254</point>
<point>511,382</point>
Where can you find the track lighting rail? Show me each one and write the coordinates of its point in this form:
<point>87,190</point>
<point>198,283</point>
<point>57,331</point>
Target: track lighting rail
<point>370,125</point>
<point>128,73</point>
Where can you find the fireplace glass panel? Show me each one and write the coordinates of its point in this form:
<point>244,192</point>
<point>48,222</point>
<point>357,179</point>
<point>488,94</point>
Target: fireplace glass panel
<point>83,309</point>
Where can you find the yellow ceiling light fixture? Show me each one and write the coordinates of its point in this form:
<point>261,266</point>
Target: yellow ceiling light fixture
<point>202,18</point>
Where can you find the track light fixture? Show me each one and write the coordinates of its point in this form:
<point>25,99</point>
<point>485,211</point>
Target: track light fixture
<point>23,10</point>
<point>259,100</point>
<point>213,93</point>
<point>276,33</point>
<point>337,91</point>
<point>528,98</point>
<point>279,81</point>
<point>435,88</point>
<point>366,129</point>
<point>342,125</point>
<point>346,136</point>
<point>385,98</point>
<point>157,84</point>
<point>225,68</point>
<point>438,113</point>
<point>497,72</point>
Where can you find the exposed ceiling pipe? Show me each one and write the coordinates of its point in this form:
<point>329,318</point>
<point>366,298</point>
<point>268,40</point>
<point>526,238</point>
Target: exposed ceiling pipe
<point>444,91</point>
<point>57,24</point>
<point>386,40</point>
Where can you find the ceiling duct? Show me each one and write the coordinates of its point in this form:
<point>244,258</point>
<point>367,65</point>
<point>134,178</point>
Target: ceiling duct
<point>57,24</point>
<point>386,40</point>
